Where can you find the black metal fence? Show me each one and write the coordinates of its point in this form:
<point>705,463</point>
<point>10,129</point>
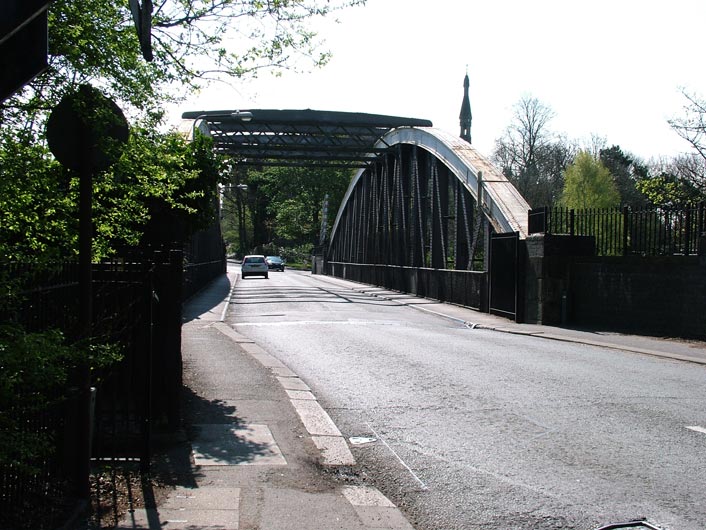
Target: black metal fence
<point>658,231</point>
<point>137,306</point>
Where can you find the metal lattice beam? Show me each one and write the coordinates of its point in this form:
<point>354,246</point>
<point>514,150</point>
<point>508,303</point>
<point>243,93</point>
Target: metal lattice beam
<point>298,137</point>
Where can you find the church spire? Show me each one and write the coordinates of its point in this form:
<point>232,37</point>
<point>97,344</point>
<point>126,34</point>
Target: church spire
<point>465,117</point>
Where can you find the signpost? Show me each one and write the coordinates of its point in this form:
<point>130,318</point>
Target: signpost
<point>86,132</point>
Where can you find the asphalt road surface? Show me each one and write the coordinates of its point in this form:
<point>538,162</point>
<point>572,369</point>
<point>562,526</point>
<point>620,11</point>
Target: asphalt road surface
<point>474,429</point>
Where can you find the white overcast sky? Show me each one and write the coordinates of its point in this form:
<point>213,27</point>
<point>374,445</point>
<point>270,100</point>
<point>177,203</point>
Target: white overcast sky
<point>613,68</point>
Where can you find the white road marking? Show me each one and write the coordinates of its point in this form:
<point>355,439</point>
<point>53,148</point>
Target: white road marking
<point>424,486</point>
<point>696,428</point>
<point>227,303</point>
<point>322,323</point>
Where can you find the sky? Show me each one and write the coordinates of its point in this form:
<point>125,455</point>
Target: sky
<point>611,68</point>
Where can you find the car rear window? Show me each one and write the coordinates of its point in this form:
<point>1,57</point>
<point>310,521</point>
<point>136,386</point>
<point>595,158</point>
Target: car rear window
<point>254,260</point>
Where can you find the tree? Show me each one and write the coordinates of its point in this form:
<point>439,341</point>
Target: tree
<point>588,184</point>
<point>529,155</point>
<point>284,203</point>
<point>692,127</point>
<point>194,42</point>
<point>94,42</point>
<point>626,172</point>
<point>666,184</point>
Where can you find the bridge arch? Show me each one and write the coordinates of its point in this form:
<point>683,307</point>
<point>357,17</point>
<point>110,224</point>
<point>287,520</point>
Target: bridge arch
<point>417,197</point>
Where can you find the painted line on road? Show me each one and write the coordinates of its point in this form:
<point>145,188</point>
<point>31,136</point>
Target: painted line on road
<point>414,475</point>
<point>230,295</point>
<point>696,428</point>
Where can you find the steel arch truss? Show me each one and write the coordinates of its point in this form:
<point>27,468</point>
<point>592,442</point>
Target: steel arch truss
<point>418,204</point>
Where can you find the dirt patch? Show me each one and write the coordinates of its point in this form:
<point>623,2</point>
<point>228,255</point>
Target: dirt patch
<point>118,489</point>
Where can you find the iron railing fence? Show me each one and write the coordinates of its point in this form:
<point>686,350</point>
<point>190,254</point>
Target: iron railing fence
<point>45,298</point>
<point>137,306</point>
<point>655,231</point>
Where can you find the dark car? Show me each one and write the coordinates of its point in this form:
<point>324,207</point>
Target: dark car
<point>275,263</point>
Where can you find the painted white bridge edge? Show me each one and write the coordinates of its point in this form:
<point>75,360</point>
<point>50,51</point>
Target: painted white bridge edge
<point>504,206</point>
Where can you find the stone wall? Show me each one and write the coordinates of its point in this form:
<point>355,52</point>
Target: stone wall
<point>654,295</point>
<point>566,284</point>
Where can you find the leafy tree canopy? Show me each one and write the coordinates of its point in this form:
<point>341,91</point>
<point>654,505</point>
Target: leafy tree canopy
<point>625,172</point>
<point>285,203</point>
<point>194,42</point>
<point>588,184</point>
<point>160,176</point>
<point>668,188</point>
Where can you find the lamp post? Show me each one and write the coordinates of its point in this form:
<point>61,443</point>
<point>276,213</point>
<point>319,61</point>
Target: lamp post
<point>240,212</point>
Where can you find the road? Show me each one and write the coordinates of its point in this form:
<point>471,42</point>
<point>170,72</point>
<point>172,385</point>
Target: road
<point>475,429</point>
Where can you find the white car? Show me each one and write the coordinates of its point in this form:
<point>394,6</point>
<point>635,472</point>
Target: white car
<point>254,265</point>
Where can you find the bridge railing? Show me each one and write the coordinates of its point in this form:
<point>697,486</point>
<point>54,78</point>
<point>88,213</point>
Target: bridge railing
<point>467,288</point>
<point>655,231</point>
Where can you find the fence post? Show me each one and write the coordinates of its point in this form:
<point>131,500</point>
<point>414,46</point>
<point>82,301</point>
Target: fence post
<point>176,268</point>
<point>626,223</point>
<point>687,231</point>
<point>700,228</point>
<point>572,219</point>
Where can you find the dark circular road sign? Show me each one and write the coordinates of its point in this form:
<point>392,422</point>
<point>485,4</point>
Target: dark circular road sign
<point>86,131</point>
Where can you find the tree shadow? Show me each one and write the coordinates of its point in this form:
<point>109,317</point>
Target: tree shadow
<point>206,299</point>
<point>119,487</point>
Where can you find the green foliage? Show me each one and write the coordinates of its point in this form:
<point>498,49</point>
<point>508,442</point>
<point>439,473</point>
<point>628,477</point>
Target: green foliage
<point>162,184</point>
<point>35,371</point>
<point>161,191</point>
<point>284,205</point>
<point>667,189</point>
<point>37,205</point>
<point>625,172</point>
<point>588,184</point>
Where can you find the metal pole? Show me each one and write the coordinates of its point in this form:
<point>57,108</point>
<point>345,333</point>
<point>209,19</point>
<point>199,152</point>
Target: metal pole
<point>85,239</point>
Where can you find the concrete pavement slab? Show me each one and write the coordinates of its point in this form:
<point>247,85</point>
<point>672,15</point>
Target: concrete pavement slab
<point>235,445</point>
<point>289,509</point>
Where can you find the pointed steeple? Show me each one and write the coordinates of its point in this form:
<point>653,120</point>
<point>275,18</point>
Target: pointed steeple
<point>465,117</point>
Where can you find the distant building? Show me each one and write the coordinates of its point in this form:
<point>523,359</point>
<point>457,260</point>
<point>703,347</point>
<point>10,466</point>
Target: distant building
<point>465,117</point>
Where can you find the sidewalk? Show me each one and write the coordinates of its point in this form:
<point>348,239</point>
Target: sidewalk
<point>259,451</point>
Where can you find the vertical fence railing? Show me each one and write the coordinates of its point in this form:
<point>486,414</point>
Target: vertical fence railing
<point>137,305</point>
<point>658,231</point>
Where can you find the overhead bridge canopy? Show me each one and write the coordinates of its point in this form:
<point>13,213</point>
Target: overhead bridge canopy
<point>265,137</point>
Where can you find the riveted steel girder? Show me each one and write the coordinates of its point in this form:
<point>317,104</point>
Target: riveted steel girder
<point>423,204</point>
<point>298,137</point>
